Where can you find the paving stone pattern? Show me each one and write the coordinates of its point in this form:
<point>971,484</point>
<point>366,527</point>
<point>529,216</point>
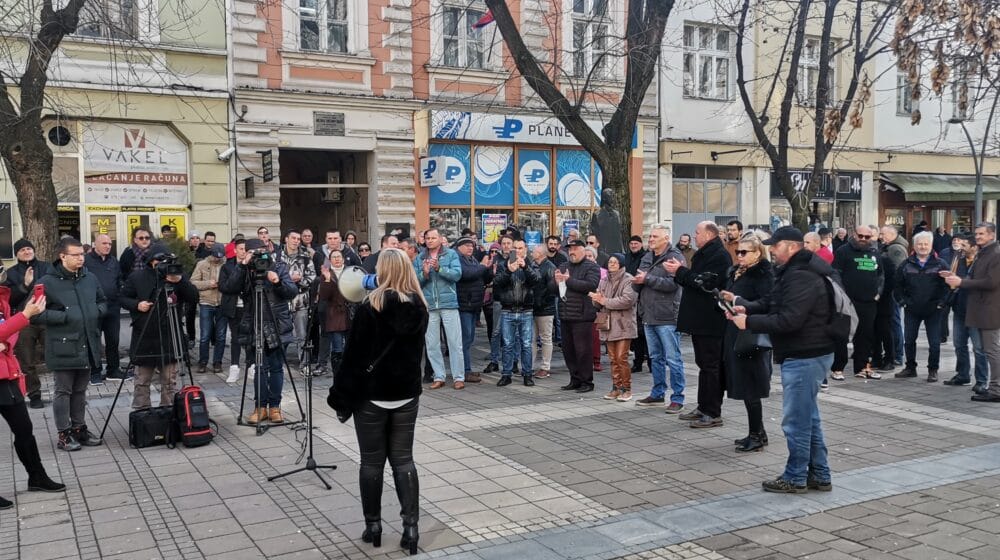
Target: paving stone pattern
<point>530,473</point>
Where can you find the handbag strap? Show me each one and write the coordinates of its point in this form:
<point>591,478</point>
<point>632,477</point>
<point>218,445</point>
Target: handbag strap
<point>373,365</point>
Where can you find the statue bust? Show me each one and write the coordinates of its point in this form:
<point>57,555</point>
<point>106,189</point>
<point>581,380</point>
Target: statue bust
<point>606,224</point>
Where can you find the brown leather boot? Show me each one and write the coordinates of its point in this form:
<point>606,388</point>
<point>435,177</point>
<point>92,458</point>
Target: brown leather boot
<point>259,414</point>
<point>276,416</point>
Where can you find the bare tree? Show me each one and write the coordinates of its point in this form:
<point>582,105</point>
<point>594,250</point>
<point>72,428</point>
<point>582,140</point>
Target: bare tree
<point>643,37</point>
<point>781,102</point>
<point>25,154</point>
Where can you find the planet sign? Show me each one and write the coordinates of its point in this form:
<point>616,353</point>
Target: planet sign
<point>534,177</point>
<point>455,176</point>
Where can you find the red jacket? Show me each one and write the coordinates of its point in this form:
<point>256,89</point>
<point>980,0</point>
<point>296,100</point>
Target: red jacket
<point>9,366</point>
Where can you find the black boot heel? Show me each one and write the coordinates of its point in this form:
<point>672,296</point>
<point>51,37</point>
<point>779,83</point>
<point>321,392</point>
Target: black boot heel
<point>373,534</point>
<point>409,540</point>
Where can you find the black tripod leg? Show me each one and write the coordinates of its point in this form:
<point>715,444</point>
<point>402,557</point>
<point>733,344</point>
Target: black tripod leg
<point>243,397</point>
<point>118,393</point>
<point>295,391</point>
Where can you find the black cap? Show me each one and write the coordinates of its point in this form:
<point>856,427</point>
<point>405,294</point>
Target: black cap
<point>823,232</point>
<point>576,243</point>
<point>786,233</point>
<point>635,238</point>
<point>464,240</point>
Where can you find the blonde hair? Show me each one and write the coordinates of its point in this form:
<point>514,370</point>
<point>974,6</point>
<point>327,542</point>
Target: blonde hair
<point>752,239</point>
<point>395,273</point>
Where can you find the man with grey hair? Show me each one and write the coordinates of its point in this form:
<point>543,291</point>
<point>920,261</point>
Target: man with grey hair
<point>659,301</point>
<point>700,316</point>
<point>983,311</point>
<point>921,291</point>
<point>857,263</point>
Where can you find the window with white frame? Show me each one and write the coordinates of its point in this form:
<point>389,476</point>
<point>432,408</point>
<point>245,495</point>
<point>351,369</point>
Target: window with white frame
<point>591,27</point>
<point>809,64</point>
<point>961,101</point>
<point>110,19</point>
<point>463,46</point>
<point>708,61</point>
<point>323,25</point>
<point>905,104</point>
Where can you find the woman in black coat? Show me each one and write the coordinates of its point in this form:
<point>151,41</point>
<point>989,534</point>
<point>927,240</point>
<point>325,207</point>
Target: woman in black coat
<point>383,394</point>
<point>748,379</point>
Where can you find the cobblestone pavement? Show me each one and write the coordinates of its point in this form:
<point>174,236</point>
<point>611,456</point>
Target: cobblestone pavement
<point>532,473</point>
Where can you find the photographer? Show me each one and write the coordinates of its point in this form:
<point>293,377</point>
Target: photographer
<point>258,265</point>
<point>149,293</point>
<point>72,317</point>
<point>302,273</point>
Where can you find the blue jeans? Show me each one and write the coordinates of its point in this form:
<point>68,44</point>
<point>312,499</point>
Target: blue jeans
<point>468,319</point>
<point>269,380</point>
<point>453,336</point>
<point>960,338</point>
<point>800,379</point>
<point>897,331</point>
<point>212,324</point>
<point>518,338</point>
<point>664,346</point>
<point>496,343</point>
<point>336,341</point>
<point>932,324</point>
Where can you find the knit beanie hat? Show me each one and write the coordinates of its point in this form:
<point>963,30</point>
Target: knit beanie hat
<point>21,244</point>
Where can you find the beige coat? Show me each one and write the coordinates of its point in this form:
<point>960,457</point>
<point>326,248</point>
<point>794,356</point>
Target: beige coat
<point>620,301</point>
<point>983,286</point>
<point>205,274</point>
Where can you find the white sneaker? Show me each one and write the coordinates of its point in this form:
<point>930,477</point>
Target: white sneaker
<point>234,374</point>
<point>250,372</point>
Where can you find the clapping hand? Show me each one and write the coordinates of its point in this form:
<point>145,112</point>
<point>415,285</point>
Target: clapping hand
<point>671,265</point>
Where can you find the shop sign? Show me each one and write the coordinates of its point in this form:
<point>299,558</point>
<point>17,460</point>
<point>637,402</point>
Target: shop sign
<point>492,225</point>
<point>133,221</point>
<point>532,238</point>
<point>178,223</point>
<point>134,163</point>
<point>328,124</point>
<point>493,127</point>
<point>844,185</point>
<point>567,225</point>
<point>103,224</point>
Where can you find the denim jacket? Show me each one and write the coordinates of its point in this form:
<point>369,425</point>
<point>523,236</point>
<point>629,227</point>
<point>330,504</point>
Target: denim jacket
<point>440,286</point>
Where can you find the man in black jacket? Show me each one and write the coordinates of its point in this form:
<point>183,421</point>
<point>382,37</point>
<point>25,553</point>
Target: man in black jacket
<point>857,263</point>
<point>105,267</point>
<point>577,315</point>
<point>150,294</point>
<point>632,261</point>
<point>388,242</point>
<point>513,287</point>
<point>277,329</point>
<point>700,316</point>
<point>544,311</point>
<point>921,291</point>
<point>796,317</point>
<point>471,289</point>
<point>232,308</point>
<point>21,279</point>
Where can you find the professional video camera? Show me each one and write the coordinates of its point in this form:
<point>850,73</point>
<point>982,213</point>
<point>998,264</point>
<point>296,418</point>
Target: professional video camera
<point>261,261</point>
<point>168,265</point>
<point>706,280</point>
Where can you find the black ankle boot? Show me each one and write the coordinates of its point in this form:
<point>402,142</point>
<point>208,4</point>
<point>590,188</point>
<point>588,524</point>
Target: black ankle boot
<point>5,503</point>
<point>408,491</point>
<point>754,442</point>
<point>373,533</point>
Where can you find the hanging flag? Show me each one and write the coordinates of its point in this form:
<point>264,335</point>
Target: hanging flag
<point>484,21</point>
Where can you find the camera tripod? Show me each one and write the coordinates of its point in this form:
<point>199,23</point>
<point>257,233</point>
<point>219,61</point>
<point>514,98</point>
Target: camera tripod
<point>307,352</point>
<point>163,293</point>
<point>260,302</point>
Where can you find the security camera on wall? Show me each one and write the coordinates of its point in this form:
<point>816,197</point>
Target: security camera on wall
<point>227,154</point>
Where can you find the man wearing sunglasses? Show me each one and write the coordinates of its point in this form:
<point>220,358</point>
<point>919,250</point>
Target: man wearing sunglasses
<point>858,264</point>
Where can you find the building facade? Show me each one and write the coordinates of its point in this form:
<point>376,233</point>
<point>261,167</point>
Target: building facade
<point>885,172</point>
<point>138,111</point>
<point>384,115</point>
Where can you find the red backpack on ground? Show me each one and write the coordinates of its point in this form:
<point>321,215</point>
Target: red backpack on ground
<point>193,426</point>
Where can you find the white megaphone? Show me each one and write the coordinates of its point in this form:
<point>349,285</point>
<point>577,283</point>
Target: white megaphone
<point>352,284</point>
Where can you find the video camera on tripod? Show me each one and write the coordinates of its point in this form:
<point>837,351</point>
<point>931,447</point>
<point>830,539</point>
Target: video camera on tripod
<point>261,261</point>
<point>168,265</point>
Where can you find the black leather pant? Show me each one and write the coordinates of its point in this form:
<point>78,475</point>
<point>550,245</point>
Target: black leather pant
<point>388,434</point>
<point>25,445</point>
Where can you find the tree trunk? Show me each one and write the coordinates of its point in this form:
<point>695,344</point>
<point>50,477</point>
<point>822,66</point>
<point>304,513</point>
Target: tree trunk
<point>29,164</point>
<point>616,176</point>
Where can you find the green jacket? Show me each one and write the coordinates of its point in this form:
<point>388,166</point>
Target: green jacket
<point>72,316</point>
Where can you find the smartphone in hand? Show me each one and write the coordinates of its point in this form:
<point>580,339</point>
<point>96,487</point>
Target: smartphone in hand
<point>39,292</point>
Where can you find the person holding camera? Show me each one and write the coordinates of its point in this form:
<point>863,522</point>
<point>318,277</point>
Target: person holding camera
<point>259,266</point>
<point>12,387</point>
<point>383,393</point>
<point>149,294</point>
<point>72,320</point>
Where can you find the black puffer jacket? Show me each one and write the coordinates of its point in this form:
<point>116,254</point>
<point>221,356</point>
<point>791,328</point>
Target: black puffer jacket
<point>151,330</point>
<point>798,309</point>
<point>576,307</point>
<point>921,290</point>
<point>396,333</point>
<point>859,269</point>
<point>699,314</point>
<point>75,306</point>
<point>545,297</point>
<point>15,280</point>
<point>229,301</point>
<point>515,290</point>
<point>472,286</point>
<point>277,317</point>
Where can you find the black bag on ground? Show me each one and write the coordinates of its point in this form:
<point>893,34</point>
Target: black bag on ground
<point>193,426</point>
<point>150,426</point>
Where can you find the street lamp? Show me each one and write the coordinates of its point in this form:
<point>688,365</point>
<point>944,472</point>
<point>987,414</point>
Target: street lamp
<point>978,163</point>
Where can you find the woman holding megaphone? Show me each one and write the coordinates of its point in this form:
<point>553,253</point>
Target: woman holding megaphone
<point>12,387</point>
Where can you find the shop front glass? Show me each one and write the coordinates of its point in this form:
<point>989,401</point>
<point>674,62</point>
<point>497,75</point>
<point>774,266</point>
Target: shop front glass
<point>961,220</point>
